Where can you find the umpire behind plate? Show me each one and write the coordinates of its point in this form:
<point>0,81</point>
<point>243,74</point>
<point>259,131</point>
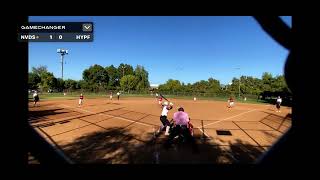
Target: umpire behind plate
<point>180,127</point>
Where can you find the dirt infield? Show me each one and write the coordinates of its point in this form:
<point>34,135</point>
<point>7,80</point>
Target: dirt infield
<point>112,131</point>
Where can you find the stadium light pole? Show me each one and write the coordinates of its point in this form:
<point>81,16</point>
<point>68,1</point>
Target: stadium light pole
<point>123,68</point>
<point>239,80</point>
<point>62,53</point>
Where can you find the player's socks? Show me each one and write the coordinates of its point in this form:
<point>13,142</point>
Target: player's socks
<point>160,129</point>
<point>167,131</point>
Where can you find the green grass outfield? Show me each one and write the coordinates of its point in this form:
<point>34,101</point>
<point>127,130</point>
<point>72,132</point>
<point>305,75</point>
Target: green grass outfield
<point>55,96</point>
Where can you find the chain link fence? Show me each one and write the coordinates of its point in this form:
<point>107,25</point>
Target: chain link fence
<point>222,95</point>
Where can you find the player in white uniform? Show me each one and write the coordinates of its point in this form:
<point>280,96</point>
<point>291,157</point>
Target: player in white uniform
<point>164,118</point>
<point>118,94</point>
<point>278,103</point>
<point>111,95</point>
<point>80,100</point>
<point>230,102</point>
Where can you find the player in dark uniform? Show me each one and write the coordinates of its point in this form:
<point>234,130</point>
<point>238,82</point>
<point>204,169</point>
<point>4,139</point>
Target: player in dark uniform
<point>80,99</point>
<point>35,98</point>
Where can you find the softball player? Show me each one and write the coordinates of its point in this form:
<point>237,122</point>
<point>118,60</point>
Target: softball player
<point>111,95</point>
<point>35,98</point>
<point>230,102</point>
<point>278,103</point>
<point>80,100</point>
<point>160,100</point>
<point>190,127</point>
<point>118,94</point>
<point>164,118</point>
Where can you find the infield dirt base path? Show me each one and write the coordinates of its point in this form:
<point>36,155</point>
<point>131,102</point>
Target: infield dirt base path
<point>112,131</point>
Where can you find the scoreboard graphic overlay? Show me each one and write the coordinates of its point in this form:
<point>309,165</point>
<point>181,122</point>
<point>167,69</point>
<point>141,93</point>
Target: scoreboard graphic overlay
<point>56,32</point>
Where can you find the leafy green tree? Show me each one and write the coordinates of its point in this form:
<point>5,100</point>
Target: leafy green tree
<point>128,82</point>
<point>70,84</point>
<point>214,85</point>
<point>201,86</point>
<point>82,84</point>
<point>48,81</point>
<point>60,84</point>
<point>278,84</point>
<point>33,80</point>
<point>171,86</point>
<point>267,80</point>
<point>39,70</point>
<point>125,69</point>
<point>96,77</point>
<point>142,78</point>
<point>114,78</point>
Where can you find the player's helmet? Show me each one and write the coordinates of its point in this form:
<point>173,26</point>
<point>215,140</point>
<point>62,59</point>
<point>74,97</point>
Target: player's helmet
<point>181,109</point>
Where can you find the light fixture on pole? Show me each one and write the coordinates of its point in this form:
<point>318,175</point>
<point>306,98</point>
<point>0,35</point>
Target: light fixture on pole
<point>62,53</point>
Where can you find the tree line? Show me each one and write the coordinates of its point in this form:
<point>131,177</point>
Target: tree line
<point>95,78</point>
<point>209,86</point>
<point>128,79</point>
<point>266,87</point>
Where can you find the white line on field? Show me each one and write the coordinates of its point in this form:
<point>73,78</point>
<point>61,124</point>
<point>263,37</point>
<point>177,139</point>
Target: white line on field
<point>107,115</point>
<point>47,138</point>
<point>228,118</point>
<point>203,132</point>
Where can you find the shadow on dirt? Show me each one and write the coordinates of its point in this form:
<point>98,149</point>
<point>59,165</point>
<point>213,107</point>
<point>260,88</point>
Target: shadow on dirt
<point>116,146</point>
